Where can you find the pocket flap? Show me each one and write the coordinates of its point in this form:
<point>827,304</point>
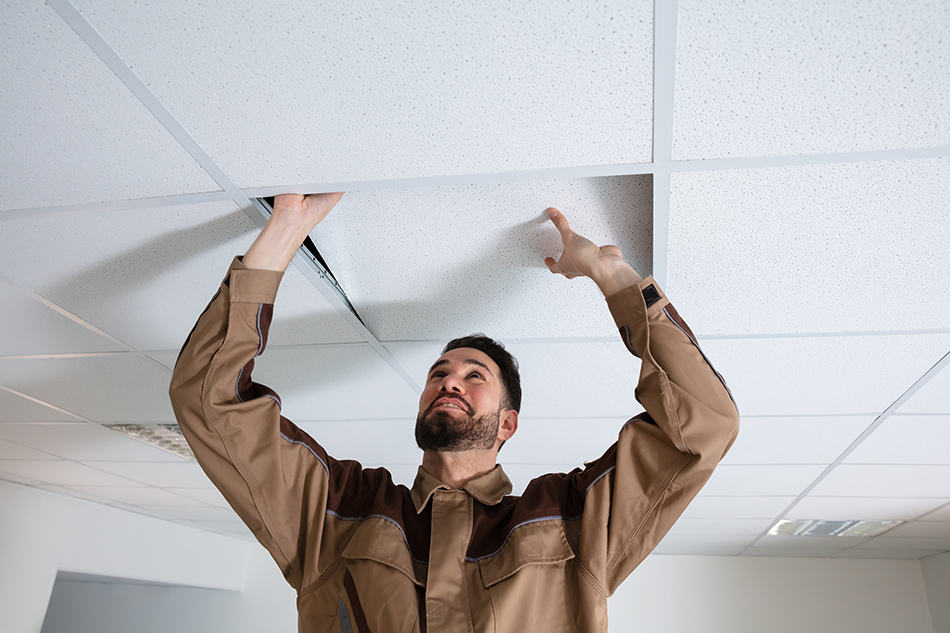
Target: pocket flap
<point>379,540</point>
<point>540,543</point>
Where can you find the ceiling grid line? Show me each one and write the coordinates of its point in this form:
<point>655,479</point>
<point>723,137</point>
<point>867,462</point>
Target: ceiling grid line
<point>914,388</point>
<point>111,59</point>
<point>664,71</point>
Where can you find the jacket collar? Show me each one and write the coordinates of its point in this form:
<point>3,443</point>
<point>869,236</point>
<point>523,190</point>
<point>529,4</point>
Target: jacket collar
<point>489,488</point>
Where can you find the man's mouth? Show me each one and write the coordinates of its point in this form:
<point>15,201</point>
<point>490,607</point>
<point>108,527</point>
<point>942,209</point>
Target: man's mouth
<point>449,403</point>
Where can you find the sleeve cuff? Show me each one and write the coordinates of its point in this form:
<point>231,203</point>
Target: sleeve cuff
<point>636,301</point>
<point>249,285</point>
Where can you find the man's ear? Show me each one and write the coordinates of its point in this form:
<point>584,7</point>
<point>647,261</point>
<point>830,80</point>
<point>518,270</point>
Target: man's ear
<point>508,424</point>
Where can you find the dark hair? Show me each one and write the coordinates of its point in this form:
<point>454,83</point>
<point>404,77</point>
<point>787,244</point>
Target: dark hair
<point>507,364</point>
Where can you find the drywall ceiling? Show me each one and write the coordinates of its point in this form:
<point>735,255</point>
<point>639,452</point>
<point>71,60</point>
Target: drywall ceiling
<point>783,171</point>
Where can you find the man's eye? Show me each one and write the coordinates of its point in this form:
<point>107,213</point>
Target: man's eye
<point>475,373</point>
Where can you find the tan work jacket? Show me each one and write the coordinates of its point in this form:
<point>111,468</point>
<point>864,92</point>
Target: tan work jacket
<point>367,555</point>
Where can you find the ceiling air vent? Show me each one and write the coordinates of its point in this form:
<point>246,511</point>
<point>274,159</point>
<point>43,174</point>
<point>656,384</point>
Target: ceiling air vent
<point>819,527</point>
<point>167,437</point>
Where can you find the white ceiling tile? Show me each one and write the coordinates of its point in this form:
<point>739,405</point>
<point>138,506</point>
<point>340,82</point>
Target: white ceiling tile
<point>521,474</point>
<point>922,529</point>
<point>906,439</point>
<point>864,508</point>
<point>808,248</point>
<point>565,441</point>
<point>897,554</point>
<point>61,472</point>
<point>791,440</point>
<point>790,542</point>
<point>148,282</point>
<point>83,441</point>
<point>575,84</point>
<point>706,506</point>
<point>885,481</point>
<point>208,495</point>
<point>29,327</point>
<point>558,379</point>
<point>898,542</point>
<point>191,513</point>
<point>159,474</point>
<point>372,443</point>
<point>772,77</point>
<point>702,544</point>
<point>761,480</point>
<point>942,514</point>
<point>76,132</point>
<point>472,258</point>
<point>335,382</point>
<point>933,397</point>
<point>792,552</point>
<point>12,450</point>
<point>830,375</point>
<point>118,388</point>
<point>134,495</point>
<point>749,528</point>
<point>14,408</point>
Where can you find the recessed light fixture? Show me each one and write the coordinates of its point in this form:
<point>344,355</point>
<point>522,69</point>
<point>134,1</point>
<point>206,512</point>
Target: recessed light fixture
<point>819,527</point>
<point>167,437</point>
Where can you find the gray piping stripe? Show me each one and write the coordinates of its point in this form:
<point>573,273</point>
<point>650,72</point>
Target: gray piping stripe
<point>309,449</point>
<point>381,516</point>
<point>260,335</point>
<point>598,478</point>
<point>693,341</point>
<point>236,392</point>
<point>557,516</point>
<point>344,617</point>
<point>274,398</point>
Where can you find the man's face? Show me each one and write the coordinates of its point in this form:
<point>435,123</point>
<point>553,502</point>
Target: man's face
<point>461,404</point>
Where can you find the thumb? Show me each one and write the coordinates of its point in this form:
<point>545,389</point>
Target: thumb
<point>551,264</point>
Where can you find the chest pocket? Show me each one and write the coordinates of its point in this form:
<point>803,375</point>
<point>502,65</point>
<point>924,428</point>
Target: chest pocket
<point>537,546</point>
<point>379,541</point>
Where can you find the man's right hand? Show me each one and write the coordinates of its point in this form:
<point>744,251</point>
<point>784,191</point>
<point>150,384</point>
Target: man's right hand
<point>293,218</point>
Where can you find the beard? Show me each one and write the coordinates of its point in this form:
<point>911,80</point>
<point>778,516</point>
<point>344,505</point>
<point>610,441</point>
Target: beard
<point>443,431</point>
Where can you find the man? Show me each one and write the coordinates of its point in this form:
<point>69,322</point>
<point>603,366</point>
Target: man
<point>456,552</point>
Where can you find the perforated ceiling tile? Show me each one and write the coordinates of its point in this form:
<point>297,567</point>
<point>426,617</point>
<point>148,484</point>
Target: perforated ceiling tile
<point>933,397</point>
<point>773,77</point>
<point>397,89</point>
<point>840,508</point>
<point>791,440</point>
<point>906,439</point>
<point>29,327</point>
<point>822,374</point>
<point>437,263</point>
<point>785,479</point>
<point>892,480</point>
<point>118,388</point>
<point>83,441</point>
<point>820,248</point>
<point>73,132</point>
<point>706,505</point>
<point>145,275</point>
<point>372,443</point>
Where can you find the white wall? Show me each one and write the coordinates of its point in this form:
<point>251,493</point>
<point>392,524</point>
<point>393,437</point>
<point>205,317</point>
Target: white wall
<point>936,572</point>
<point>42,533</point>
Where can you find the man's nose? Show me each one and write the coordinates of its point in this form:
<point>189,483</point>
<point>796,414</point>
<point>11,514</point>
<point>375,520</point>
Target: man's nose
<point>451,383</point>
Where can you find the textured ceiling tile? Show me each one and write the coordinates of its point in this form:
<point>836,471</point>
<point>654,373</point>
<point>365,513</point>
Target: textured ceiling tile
<point>790,440</point>
<point>394,90</point>
<point>881,554</point>
<point>372,443</point>
<point>707,506</point>
<point>72,131</point>
<point>906,439</point>
<point>558,380</point>
<point>145,275</point>
<point>922,529</point>
<point>826,374</point>
<point>745,527</point>
<point>818,248</point>
<point>772,77</point>
<point>892,480</point>
<point>29,327</point>
<point>566,441</point>
<point>335,382</point>
<point>702,544</point>
<point>437,263</point>
<point>785,479</point>
<point>119,388</point>
<point>83,441</point>
<point>61,472</point>
<point>896,542</point>
<point>14,408</point>
<point>933,397</point>
<point>864,508</point>
<point>179,474</point>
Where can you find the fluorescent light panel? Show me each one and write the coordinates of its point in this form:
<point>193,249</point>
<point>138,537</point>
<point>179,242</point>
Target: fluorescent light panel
<point>167,437</point>
<point>820,527</point>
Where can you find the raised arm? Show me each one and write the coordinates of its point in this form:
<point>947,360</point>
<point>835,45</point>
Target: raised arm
<point>634,493</point>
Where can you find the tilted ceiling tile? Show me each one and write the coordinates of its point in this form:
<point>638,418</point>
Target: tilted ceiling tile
<point>83,441</point>
<point>906,439</point>
<point>440,262</point>
<point>817,248</point>
<point>773,77</point>
<point>922,529</point>
<point>791,440</point>
<point>487,87</point>
<point>822,374</point>
<point>891,480</point>
<point>29,327</point>
<point>933,397</point>
<point>14,408</point>
<point>72,132</point>
<point>145,275</point>
<point>118,388</point>
<point>841,508</point>
<point>334,383</point>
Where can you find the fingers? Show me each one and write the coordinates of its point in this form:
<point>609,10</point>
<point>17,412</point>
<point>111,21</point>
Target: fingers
<point>560,222</point>
<point>551,264</point>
